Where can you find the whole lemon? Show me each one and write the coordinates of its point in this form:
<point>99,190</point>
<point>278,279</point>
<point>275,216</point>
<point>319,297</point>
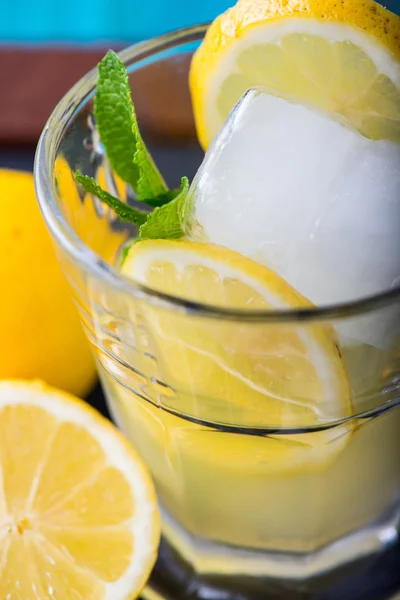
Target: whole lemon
<point>40,332</point>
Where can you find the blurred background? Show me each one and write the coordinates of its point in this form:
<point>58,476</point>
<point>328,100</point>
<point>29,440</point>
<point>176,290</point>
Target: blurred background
<point>46,46</point>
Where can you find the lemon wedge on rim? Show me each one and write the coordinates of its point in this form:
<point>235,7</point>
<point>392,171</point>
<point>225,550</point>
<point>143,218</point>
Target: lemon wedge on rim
<point>342,56</point>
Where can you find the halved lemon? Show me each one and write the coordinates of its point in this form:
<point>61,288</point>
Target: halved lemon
<point>229,370</point>
<point>78,512</point>
<point>342,56</point>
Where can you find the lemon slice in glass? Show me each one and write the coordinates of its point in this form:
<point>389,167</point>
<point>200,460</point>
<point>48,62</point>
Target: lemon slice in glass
<point>232,371</point>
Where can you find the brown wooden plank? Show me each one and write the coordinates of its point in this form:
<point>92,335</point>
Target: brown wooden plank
<point>35,79</point>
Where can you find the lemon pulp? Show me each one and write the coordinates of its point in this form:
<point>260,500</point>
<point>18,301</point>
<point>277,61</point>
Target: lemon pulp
<point>77,507</point>
<point>342,57</point>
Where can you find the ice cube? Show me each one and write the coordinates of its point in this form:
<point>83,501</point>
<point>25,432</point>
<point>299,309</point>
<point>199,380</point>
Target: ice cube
<point>303,193</point>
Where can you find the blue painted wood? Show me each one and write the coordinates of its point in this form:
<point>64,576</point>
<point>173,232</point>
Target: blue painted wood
<point>106,20</point>
<point>100,20</point>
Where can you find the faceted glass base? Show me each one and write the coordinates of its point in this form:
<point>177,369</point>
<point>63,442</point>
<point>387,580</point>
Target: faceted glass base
<point>376,577</point>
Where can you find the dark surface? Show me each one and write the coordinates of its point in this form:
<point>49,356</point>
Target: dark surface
<point>96,399</point>
<point>17,157</point>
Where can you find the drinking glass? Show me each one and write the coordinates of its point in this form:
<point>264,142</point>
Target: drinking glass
<point>255,503</point>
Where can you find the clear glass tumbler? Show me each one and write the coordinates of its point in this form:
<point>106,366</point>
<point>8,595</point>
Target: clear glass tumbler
<point>255,503</point>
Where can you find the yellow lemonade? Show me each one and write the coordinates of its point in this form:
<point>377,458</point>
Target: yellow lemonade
<point>233,420</point>
<point>265,491</point>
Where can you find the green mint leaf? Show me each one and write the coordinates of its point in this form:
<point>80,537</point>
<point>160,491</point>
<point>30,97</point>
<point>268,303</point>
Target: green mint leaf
<point>165,222</point>
<point>113,110</point>
<point>119,131</point>
<point>163,198</point>
<point>150,184</point>
<point>124,253</point>
<point>123,210</point>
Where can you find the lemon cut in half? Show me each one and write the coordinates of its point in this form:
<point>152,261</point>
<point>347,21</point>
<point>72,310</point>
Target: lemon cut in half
<point>78,513</point>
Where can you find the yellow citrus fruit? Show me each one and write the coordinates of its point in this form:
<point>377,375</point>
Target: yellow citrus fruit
<point>41,335</point>
<point>254,374</point>
<point>342,56</point>
<point>89,217</point>
<point>78,512</point>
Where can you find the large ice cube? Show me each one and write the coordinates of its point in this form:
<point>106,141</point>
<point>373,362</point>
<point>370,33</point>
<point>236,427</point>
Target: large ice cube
<point>293,188</point>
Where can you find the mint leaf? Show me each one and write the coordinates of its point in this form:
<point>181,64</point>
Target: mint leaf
<point>150,184</point>
<point>119,131</point>
<point>113,110</point>
<point>130,159</point>
<point>165,222</point>
<point>123,210</point>
<point>124,253</point>
<point>163,198</point>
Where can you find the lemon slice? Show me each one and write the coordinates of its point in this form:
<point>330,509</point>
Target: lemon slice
<point>229,370</point>
<point>341,56</point>
<point>78,514</point>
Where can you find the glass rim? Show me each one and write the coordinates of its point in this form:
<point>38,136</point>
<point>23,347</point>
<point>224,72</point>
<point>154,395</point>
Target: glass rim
<point>65,236</point>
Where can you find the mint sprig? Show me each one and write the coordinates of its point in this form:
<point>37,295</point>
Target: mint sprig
<point>119,130</point>
<point>150,186</point>
<point>113,110</point>
<point>130,159</point>
<point>166,221</point>
<point>123,210</point>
